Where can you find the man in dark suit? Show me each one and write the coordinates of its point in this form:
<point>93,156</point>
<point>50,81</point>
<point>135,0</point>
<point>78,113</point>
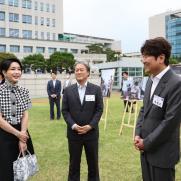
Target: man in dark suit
<point>82,107</point>
<point>53,90</point>
<point>158,124</point>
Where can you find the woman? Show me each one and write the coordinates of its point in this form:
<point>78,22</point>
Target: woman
<point>14,105</point>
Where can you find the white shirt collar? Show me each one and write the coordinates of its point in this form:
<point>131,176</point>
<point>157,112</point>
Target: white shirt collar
<point>161,74</point>
<point>80,86</point>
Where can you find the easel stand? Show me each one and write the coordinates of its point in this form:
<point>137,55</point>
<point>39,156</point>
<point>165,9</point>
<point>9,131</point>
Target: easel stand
<point>106,106</point>
<point>129,123</point>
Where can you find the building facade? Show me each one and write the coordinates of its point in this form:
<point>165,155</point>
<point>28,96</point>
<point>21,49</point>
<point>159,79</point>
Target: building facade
<point>36,26</point>
<point>167,25</point>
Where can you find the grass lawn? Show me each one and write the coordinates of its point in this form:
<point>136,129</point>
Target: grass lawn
<point>118,159</point>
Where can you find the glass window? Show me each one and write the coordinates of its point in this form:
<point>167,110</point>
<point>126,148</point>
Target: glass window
<point>51,50</point>
<point>36,5</point>
<point>13,32</point>
<point>74,50</point>
<point>27,19</point>
<point>26,4</point>
<point>42,21</point>
<point>36,34</point>
<point>54,36</point>
<point>41,6</point>
<point>53,8</point>
<point>48,21</point>
<point>53,22</point>
<point>42,35</point>
<point>48,35</point>
<point>2,15</point>
<point>2,1</point>
<point>13,3</point>
<point>47,7</point>
<point>2,32</point>
<point>14,48</point>
<point>27,49</point>
<point>2,48</point>
<point>124,69</point>
<point>27,34</point>
<point>36,20</point>
<point>63,50</point>
<point>13,17</point>
<point>40,49</point>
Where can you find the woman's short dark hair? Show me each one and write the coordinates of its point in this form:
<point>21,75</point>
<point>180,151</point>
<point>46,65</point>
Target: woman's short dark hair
<point>124,73</point>
<point>83,63</point>
<point>6,63</point>
<point>156,47</point>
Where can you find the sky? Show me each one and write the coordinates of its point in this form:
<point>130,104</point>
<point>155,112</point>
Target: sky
<point>125,20</point>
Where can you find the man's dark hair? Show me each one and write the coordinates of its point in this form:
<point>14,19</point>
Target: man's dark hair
<point>54,72</point>
<point>124,73</point>
<point>156,47</point>
<point>6,63</point>
<point>83,63</point>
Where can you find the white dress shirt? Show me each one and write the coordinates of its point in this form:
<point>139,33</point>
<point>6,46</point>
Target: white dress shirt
<point>156,80</point>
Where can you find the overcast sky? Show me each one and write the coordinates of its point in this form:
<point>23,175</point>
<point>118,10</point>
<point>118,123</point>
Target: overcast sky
<point>125,20</point>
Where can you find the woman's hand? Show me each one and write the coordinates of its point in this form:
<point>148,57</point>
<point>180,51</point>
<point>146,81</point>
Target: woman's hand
<point>23,136</point>
<point>22,147</point>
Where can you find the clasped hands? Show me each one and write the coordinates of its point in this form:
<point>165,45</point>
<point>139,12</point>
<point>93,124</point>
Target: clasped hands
<point>82,129</point>
<point>138,143</point>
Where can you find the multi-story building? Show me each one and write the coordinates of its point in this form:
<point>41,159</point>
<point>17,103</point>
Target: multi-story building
<point>167,25</point>
<point>36,26</point>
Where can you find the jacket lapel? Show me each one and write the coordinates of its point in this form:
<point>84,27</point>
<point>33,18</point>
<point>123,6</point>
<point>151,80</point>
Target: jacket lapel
<point>87,92</point>
<point>160,87</point>
<point>76,93</point>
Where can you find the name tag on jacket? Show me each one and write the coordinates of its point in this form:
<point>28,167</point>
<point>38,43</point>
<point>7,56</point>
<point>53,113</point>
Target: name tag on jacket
<point>158,101</point>
<point>89,97</point>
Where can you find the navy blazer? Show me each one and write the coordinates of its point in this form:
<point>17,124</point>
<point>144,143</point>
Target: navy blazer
<point>88,113</point>
<point>54,90</point>
<point>159,125</point>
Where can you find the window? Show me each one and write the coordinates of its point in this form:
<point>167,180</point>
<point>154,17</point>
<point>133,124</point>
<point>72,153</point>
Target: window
<point>26,4</point>
<point>48,21</point>
<point>41,6</point>
<point>27,49</point>
<point>42,35</point>
<point>2,32</point>
<point>51,50</point>
<point>14,48</point>
<point>53,22</point>
<point>54,36</point>
<point>13,3</point>
<point>27,19</point>
<point>48,35</point>
<point>2,1</point>
<point>36,34</point>
<point>27,34</point>
<point>40,49</point>
<point>13,32</point>
<point>36,20</point>
<point>36,5</point>
<point>2,15</point>
<point>74,50</point>
<point>42,21</point>
<point>2,48</point>
<point>63,50</point>
<point>47,7</point>
<point>13,17</point>
<point>53,8</point>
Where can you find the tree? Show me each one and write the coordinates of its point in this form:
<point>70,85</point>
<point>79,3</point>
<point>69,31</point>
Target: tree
<point>6,55</point>
<point>61,61</point>
<point>96,48</point>
<point>35,61</point>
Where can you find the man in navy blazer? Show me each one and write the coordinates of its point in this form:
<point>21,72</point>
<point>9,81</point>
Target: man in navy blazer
<point>82,107</point>
<point>54,90</point>
<point>158,124</point>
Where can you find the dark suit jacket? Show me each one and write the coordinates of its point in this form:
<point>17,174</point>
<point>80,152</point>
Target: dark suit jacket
<point>88,113</point>
<point>159,126</point>
<point>54,90</point>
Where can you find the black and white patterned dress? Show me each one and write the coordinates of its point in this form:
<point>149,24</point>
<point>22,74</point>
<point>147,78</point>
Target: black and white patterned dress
<point>14,100</point>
